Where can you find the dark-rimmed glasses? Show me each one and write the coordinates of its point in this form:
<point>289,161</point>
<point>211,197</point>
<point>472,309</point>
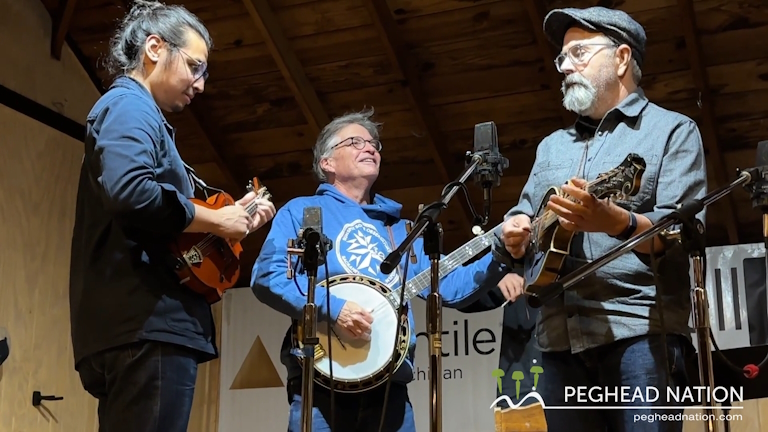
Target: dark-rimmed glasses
<point>578,55</point>
<point>359,143</point>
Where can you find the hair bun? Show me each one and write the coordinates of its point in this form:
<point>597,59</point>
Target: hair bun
<point>144,7</point>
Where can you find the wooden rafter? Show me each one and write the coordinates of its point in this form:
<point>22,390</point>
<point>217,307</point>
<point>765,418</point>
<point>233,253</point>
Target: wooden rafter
<point>61,26</point>
<point>235,178</point>
<point>407,71</point>
<point>536,14</point>
<point>707,123</point>
<point>288,63</point>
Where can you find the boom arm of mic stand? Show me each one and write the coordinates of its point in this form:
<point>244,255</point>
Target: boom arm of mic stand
<point>427,216</point>
<point>683,215</point>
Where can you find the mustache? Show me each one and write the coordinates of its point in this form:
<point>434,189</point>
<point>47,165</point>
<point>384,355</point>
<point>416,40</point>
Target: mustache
<point>575,79</point>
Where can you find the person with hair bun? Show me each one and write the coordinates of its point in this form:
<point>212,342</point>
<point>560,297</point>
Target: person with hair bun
<point>138,334</point>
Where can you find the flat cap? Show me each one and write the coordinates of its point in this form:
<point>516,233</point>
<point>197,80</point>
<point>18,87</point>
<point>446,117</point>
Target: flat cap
<point>615,24</point>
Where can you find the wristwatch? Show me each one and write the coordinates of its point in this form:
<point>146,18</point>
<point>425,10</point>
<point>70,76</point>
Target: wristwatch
<point>629,230</point>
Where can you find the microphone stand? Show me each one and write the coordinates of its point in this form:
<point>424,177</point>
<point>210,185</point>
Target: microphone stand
<point>308,248</point>
<point>433,244</point>
<point>691,237</point>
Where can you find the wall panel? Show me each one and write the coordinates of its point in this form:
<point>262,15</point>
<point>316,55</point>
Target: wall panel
<point>38,174</point>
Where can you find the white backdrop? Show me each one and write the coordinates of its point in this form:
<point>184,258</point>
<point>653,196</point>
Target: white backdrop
<point>472,345</point>
<point>252,389</point>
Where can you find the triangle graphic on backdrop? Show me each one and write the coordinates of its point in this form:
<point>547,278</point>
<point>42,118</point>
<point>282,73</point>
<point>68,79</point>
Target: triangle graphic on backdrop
<point>257,371</point>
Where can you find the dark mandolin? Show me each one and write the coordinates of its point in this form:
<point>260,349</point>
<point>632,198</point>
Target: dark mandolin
<point>209,264</point>
<point>550,243</point>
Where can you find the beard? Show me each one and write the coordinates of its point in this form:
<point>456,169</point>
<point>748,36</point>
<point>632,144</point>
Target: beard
<point>581,95</point>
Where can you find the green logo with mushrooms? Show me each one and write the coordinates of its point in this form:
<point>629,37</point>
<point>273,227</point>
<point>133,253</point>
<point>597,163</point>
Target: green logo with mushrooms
<point>518,376</point>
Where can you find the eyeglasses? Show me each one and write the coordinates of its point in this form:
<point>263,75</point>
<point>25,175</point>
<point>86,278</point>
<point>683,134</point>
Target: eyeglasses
<point>359,143</point>
<point>198,68</point>
<point>579,55</point>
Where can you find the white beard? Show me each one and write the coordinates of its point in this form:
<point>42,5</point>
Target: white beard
<point>582,96</point>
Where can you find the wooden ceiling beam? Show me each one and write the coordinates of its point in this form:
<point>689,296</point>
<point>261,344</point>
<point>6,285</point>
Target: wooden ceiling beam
<point>60,26</point>
<point>288,63</point>
<point>536,14</point>
<point>707,120</point>
<point>407,71</point>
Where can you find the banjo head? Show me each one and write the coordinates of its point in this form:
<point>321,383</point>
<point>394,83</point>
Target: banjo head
<point>360,365</point>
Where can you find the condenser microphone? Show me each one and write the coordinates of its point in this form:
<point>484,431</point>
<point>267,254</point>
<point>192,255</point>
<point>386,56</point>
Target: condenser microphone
<point>492,163</point>
<point>311,233</point>
<point>760,187</point>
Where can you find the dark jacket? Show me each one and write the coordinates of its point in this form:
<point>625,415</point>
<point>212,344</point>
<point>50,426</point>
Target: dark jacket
<point>518,344</point>
<point>133,197</point>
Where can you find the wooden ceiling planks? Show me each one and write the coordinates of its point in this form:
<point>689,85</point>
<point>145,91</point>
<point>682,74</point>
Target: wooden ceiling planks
<point>476,61</point>
<point>536,14</point>
<point>61,23</point>
<point>288,63</point>
<point>707,127</point>
<point>407,73</point>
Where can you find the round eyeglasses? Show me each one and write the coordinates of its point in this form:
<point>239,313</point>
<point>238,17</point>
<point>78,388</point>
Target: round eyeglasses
<point>198,68</point>
<point>359,143</point>
<point>579,54</point>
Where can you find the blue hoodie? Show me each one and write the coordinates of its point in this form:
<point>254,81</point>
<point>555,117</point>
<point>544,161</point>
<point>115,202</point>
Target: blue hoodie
<point>360,242</point>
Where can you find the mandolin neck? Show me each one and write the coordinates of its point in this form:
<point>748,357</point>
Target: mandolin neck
<point>543,222</point>
<point>253,206</point>
<point>449,263</point>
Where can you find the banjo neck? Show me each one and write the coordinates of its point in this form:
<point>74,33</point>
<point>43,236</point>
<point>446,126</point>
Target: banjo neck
<point>449,263</point>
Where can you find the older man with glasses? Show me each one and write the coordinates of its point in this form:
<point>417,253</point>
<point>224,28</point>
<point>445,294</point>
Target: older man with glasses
<point>364,228</point>
<point>627,324</point>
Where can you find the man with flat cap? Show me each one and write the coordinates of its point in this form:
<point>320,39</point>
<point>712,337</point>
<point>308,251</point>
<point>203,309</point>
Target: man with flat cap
<point>625,326</point>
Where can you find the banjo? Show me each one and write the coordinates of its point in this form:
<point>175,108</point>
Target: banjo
<point>360,365</point>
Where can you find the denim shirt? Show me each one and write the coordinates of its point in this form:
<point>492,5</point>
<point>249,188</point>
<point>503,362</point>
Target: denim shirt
<point>619,300</point>
<point>132,200</point>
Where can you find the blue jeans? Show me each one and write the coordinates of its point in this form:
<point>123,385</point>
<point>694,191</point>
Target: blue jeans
<point>145,386</point>
<point>354,412</point>
<point>635,363</point>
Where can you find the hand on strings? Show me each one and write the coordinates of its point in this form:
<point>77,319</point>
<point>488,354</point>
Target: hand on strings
<point>516,234</point>
<point>265,210</point>
<point>512,286</point>
<point>354,322</point>
<point>586,212</point>
<point>233,222</point>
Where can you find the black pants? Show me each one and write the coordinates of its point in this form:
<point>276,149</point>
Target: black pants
<point>147,386</point>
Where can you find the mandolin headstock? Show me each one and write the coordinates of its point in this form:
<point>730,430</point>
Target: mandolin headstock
<point>621,182</point>
<point>260,190</point>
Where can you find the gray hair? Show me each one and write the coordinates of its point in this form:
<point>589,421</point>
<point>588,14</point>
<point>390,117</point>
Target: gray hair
<point>146,18</point>
<point>327,139</point>
<point>637,74</point>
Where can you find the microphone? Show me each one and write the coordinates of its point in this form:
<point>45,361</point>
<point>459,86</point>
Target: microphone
<point>311,233</point>
<point>759,188</point>
<point>489,170</point>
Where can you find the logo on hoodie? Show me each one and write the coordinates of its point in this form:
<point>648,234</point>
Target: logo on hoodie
<point>360,250</point>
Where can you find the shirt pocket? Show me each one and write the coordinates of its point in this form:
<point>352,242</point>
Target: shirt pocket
<point>552,174</point>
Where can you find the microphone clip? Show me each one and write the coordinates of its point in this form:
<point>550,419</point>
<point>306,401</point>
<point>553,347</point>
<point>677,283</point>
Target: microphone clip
<point>311,246</point>
<point>490,166</point>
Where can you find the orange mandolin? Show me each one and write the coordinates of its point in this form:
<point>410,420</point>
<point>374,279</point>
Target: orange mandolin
<point>209,264</point>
